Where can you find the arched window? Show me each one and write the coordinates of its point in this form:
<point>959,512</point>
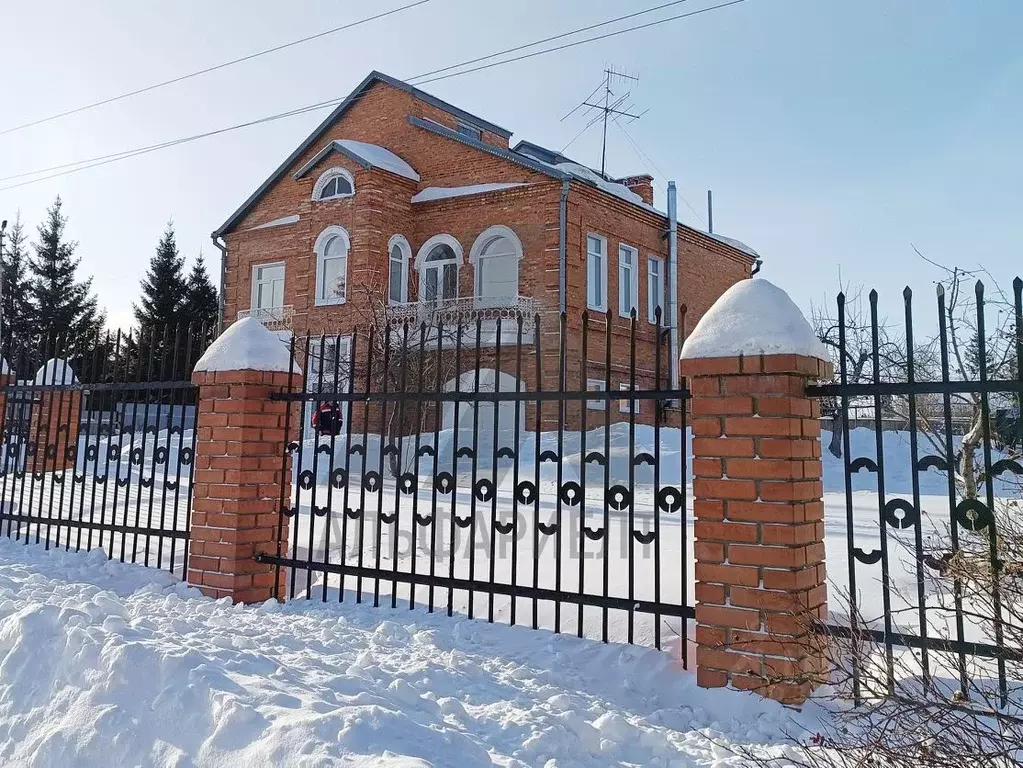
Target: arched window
<point>334,183</point>
<point>438,262</point>
<point>399,253</point>
<point>332,266</point>
<point>496,254</point>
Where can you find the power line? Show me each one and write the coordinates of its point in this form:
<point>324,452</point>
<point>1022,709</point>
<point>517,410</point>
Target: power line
<point>214,68</point>
<point>106,159</point>
<point>646,158</point>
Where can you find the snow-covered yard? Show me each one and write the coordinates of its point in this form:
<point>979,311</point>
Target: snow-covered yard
<point>110,664</point>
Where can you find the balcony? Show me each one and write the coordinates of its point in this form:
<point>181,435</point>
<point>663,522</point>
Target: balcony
<point>469,313</point>
<point>274,318</point>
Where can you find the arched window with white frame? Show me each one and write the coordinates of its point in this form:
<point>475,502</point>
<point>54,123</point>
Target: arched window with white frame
<point>334,183</point>
<point>438,262</point>
<point>332,248</point>
<point>399,253</point>
<point>496,254</point>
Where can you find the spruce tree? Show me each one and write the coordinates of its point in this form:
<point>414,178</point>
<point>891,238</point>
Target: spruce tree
<point>202,307</point>
<point>62,307</point>
<point>16,307</point>
<point>163,288</point>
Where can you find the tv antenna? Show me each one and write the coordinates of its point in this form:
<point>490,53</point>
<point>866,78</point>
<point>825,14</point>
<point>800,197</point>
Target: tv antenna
<point>615,104</point>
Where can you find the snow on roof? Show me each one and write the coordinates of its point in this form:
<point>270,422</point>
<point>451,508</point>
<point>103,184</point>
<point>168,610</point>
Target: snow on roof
<point>283,221</point>
<point>442,193</point>
<point>737,244</point>
<point>588,174</point>
<point>379,157</point>
<point>247,346</point>
<point>753,317</point>
<point>55,371</point>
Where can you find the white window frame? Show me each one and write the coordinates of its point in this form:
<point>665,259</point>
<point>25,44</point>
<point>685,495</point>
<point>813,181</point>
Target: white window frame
<point>601,306</point>
<point>325,178</point>
<point>626,304</point>
<point>651,295</point>
<point>313,374</point>
<point>476,257</point>
<point>596,385</point>
<point>625,405</point>
<point>321,257</point>
<point>402,244</point>
<point>253,306</point>
<point>421,263</point>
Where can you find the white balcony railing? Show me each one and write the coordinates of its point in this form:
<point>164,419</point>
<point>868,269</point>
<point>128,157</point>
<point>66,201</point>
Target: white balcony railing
<point>464,313</point>
<point>274,318</point>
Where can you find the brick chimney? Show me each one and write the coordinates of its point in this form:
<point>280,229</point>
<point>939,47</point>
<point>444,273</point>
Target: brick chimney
<point>642,185</point>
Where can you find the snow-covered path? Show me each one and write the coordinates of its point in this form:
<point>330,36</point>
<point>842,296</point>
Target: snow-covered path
<point>109,664</point>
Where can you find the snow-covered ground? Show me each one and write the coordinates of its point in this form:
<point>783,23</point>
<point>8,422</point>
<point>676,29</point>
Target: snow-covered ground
<point>109,664</point>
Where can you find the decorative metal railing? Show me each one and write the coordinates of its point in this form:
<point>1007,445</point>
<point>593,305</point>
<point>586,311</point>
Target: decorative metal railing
<point>467,311</point>
<point>274,318</point>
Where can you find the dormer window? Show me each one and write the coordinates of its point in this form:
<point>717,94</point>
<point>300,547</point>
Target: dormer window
<point>333,184</point>
<point>470,131</point>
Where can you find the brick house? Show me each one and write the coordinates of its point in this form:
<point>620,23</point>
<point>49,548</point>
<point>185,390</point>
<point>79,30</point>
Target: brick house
<point>400,206</point>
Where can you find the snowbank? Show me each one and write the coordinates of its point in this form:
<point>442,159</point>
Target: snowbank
<point>753,317</point>
<point>109,664</point>
<point>247,346</point>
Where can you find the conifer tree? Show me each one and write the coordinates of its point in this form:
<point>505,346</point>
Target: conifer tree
<point>62,306</point>
<point>164,290</point>
<point>201,303</point>
<point>17,319</point>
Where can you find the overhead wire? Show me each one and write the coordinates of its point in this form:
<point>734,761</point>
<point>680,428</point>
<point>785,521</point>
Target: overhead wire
<point>94,162</point>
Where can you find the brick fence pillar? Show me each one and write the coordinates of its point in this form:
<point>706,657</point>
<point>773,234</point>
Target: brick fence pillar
<point>54,420</point>
<point>240,469</point>
<point>757,494</point>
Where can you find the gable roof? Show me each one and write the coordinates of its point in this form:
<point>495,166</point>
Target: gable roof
<point>365,154</point>
<point>370,79</point>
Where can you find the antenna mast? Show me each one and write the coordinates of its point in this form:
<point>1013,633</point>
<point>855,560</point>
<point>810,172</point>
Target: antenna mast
<point>611,106</point>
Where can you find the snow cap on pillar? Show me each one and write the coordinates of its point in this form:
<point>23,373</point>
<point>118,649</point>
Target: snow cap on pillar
<point>5,369</point>
<point>55,371</point>
<point>247,346</point>
<point>753,317</point>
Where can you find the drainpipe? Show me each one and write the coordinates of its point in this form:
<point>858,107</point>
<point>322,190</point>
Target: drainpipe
<point>222,247</point>
<point>563,246</point>
<point>673,282</point>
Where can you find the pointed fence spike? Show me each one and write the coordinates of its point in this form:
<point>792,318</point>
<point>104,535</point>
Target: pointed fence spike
<point>941,291</point>
<point>907,293</point>
<point>873,296</point>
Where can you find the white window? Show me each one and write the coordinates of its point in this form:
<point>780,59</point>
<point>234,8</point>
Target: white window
<point>655,289</point>
<point>399,253</point>
<point>470,131</point>
<point>438,262</point>
<point>329,364</point>
<point>332,266</point>
<point>496,254</point>
<point>334,183</point>
<point>596,272</point>
<point>625,405</point>
<point>267,287</point>
<point>596,385</point>
<point>628,287</point>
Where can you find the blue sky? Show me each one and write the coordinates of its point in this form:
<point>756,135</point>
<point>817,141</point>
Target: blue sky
<point>833,134</point>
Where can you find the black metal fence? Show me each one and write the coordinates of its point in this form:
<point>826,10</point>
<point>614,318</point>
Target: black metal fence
<point>933,540</point>
<point>98,443</point>
<point>532,470</point>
